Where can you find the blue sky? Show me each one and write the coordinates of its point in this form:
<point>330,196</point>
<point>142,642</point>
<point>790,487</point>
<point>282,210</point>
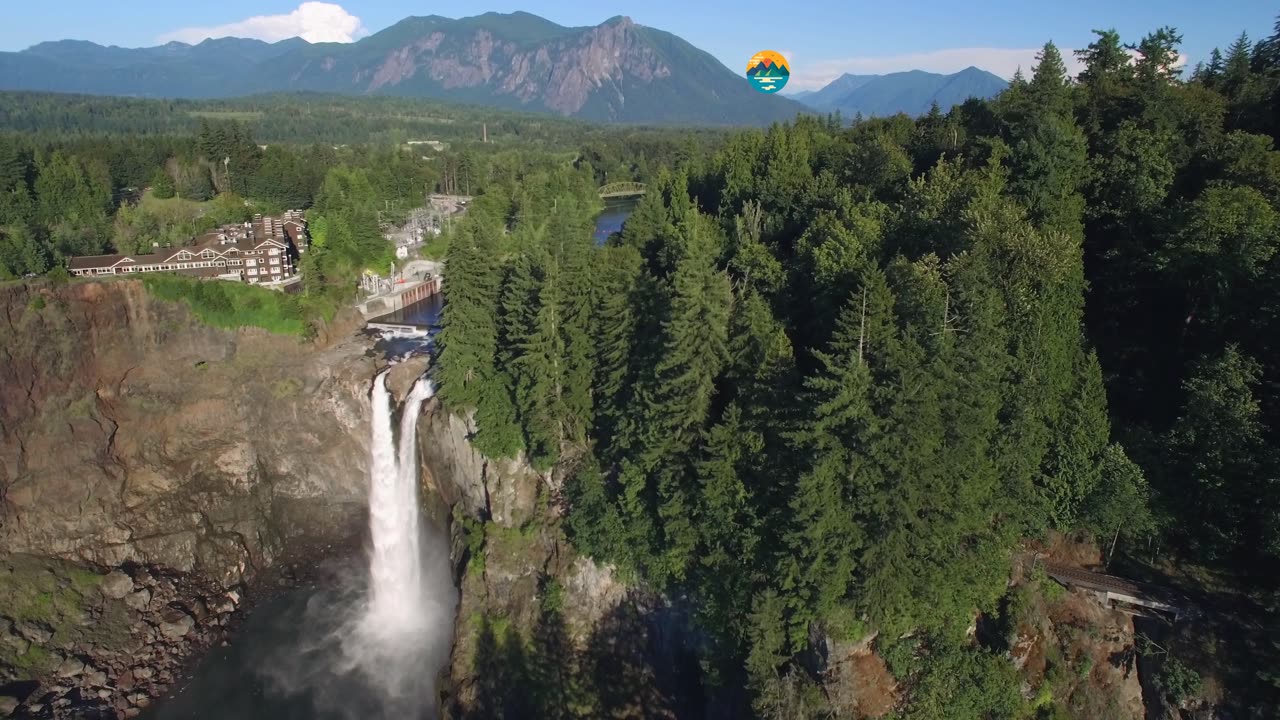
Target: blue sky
<point>822,38</point>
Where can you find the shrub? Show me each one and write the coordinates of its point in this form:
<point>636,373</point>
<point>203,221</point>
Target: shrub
<point>1177,681</point>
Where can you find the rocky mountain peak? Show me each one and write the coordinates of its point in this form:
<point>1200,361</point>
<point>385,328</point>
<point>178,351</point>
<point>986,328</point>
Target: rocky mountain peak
<point>617,70</point>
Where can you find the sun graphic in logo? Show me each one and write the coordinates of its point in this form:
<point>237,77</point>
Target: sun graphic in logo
<point>768,71</point>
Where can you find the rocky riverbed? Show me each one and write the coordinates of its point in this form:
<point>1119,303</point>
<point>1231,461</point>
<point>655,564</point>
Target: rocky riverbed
<point>76,642</point>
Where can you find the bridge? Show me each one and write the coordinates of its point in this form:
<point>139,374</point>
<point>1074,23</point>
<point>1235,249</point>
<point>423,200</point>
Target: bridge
<point>621,189</point>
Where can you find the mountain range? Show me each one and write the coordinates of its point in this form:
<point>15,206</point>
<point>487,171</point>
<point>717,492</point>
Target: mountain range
<point>911,92</point>
<point>615,71</point>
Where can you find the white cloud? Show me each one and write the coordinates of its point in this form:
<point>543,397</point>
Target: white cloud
<point>311,21</point>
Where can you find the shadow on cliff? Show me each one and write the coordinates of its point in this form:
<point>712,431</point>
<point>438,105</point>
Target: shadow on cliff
<point>635,665</point>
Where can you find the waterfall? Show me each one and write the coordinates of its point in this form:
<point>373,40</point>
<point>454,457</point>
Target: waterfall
<point>395,559</point>
<point>366,642</point>
<point>403,633</point>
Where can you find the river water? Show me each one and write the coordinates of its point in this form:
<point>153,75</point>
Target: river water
<point>615,213</point>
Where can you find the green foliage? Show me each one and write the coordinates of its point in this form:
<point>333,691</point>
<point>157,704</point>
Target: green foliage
<point>233,305</point>
<point>965,683</point>
<point>162,185</point>
<point>1177,681</point>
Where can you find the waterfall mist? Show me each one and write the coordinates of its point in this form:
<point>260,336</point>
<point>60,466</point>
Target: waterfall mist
<point>371,645</point>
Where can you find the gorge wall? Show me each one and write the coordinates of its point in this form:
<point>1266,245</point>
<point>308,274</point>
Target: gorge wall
<point>191,458</point>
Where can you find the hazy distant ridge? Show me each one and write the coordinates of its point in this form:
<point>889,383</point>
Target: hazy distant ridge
<point>912,92</point>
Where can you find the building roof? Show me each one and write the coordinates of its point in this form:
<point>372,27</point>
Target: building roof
<point>92,261</point>
<point>226,241</point>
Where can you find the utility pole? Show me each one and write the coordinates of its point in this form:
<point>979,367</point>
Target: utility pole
<point>485,131</point>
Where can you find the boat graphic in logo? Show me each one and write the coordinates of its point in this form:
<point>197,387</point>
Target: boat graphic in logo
<point>768,71</point>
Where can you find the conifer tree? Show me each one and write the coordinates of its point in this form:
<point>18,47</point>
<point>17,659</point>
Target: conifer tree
<point>533,351</point>
<point>468,341</point>
<point>618,272</point>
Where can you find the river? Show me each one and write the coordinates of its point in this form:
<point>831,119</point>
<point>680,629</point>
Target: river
<point>615,213</point>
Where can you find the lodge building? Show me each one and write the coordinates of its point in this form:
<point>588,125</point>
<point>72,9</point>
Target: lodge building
<point>263,251</point>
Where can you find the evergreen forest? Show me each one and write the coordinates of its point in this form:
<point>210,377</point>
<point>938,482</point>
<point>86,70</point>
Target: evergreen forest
<point>830,377</point>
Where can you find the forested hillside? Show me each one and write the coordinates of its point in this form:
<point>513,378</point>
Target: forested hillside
<point>828,378</point>
<point>83,176</point>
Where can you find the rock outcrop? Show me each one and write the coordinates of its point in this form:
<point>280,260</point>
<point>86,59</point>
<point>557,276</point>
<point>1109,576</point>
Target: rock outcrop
<point>131,433</point>
<point>152,470</point>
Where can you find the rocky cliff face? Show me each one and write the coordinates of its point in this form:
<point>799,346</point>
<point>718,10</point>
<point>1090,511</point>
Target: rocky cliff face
<point>562,74</point>
<point>132,433</point>
<point>190,458</point>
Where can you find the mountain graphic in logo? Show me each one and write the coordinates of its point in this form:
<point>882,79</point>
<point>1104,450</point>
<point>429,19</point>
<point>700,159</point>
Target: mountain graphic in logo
<point>768,71</point>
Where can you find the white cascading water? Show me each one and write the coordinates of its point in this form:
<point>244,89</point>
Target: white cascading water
<point>360,646</point>
<point>404,630</point>
<point>395,561</point>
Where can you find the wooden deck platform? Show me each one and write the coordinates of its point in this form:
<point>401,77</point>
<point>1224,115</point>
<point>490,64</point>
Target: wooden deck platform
<point>1117,592</point>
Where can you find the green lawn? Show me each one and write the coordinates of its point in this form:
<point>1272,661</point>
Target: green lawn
<point>233,305</point>
<point>176,208</point>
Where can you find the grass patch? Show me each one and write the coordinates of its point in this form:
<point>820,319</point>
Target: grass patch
<point>509,542</point>
<point>233,305</point>
<point>1049,588</point>
<point>36,660</point>
<point>55,595</point>
<point>176,208</point>
<point>552,597</point>
<point>436,247</point>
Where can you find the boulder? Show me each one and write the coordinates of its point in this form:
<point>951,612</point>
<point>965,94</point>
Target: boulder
<point>19,644</point>
<point>7,705</point>
<point>116,585</point>
<point>95,679</point>
<point>142,672</point>
<point>175,624</point>
<point>126,681</point>
<point>35,632</point>
<point>138,600</point>
<point>71,667</point>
